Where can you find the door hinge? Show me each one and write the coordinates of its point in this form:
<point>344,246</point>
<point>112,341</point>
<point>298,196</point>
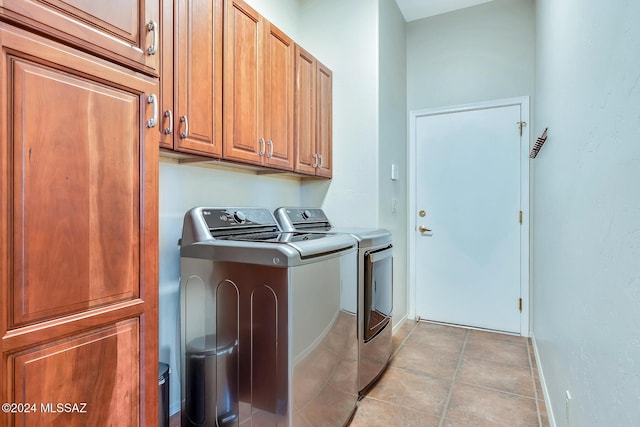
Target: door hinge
<point>521,124</point>
<point>520,217</point>
<point>520,305</point>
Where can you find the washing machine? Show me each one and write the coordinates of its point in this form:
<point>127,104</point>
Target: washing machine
<point>268,322</point>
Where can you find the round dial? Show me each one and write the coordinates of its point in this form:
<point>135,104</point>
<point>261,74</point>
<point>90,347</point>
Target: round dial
<point>306,214</point>
<point>239,216</point>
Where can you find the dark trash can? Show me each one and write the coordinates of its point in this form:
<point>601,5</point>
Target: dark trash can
<point>211,383</point>
<point>163,395</point>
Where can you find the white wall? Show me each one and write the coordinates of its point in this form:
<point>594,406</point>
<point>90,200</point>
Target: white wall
<point>481,53</point>
<point>343,35</point>
<point>284,14</point>
<point>586,220</point>
<point>392,142</point>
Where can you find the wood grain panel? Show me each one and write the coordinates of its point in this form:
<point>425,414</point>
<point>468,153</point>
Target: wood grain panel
<point>199,76</point>
<point>117,17</point>
<point>115,29</point>
<point>100,369</point>
<point>243,83</point>
<point>78,165</point>
<point>278,98</point>
<point>305,111</point>
<point>78,141</point>
<point>324,127</point>
<point>166,129</point>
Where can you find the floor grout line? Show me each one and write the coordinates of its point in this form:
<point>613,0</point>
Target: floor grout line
<point>386,402</point>
<point>524,396</point>
<point>497,362</point>
<point>445,407</point>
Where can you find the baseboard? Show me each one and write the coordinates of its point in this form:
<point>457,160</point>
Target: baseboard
<point>399,324</point>
<point>174,409</point>
<point>543,384</point>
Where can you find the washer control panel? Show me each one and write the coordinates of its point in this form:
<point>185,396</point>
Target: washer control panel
<point>240,217</point>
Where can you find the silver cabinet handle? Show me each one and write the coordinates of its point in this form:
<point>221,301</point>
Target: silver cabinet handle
<point>261,147</point>
<point>151,99</point>
<point>169,114</point>
<point>270,144</point>
<point>315,161</point>
<point>185,133</point>
<point>152,26</point>
<point>320,157</point>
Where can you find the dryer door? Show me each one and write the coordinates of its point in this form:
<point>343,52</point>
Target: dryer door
<point>378,290</point>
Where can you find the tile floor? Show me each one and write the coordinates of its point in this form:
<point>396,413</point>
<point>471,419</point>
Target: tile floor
<point>444,376</point>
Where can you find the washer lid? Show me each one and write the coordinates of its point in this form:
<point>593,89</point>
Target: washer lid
<point>275,254</point>
<point>251,235</point>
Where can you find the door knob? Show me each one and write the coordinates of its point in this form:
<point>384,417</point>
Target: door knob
<point>424,229</point>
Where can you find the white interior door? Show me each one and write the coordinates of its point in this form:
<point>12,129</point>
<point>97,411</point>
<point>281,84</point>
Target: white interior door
<point>467,192</point>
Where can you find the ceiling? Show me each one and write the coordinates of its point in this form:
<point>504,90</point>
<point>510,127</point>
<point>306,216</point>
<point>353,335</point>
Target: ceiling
<point>418,9</point>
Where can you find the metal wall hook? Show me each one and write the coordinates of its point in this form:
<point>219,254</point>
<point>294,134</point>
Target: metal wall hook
<point>538,145</point>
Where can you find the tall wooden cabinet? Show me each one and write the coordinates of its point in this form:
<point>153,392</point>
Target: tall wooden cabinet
<point>258,89</point>
<point>79,220</point>
<point>313,116</point>
<point>191,94</point>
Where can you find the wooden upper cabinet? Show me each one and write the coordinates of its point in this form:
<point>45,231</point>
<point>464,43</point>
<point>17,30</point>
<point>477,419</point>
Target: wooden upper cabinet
<point>79,208</point>
<point>192,78</point>
<point>166,127</point>
<point>324,123</point>
<point>243,83</point>
<point>278,98</point>
<point>313,116</point>
<point>124,31</point>
<point>305,112</point>
<point>258,95</point>
<point>198,77</point>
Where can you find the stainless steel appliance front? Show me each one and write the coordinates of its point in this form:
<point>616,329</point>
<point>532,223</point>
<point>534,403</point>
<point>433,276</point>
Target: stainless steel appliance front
<point>374,286</point>
<point>268,338</point>
<point>378,269</point>
<point>376,307</point>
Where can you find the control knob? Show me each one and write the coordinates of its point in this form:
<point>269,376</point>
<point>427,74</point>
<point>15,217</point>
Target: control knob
<point>306,214</point>
<point>239,216</point>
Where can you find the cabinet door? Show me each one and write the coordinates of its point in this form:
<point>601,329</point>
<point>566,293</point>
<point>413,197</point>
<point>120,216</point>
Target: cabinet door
<point>198,78</point>
<point>99,371</point>
<point>324,128</point>
<point>278,99</point>
<point>78,187</point>
<point>243,83</point>
<point>305,112</point>
<point>167,121</point>
<point>116,29</point>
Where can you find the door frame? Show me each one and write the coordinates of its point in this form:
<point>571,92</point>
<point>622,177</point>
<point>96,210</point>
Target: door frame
<point>523,102</point>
